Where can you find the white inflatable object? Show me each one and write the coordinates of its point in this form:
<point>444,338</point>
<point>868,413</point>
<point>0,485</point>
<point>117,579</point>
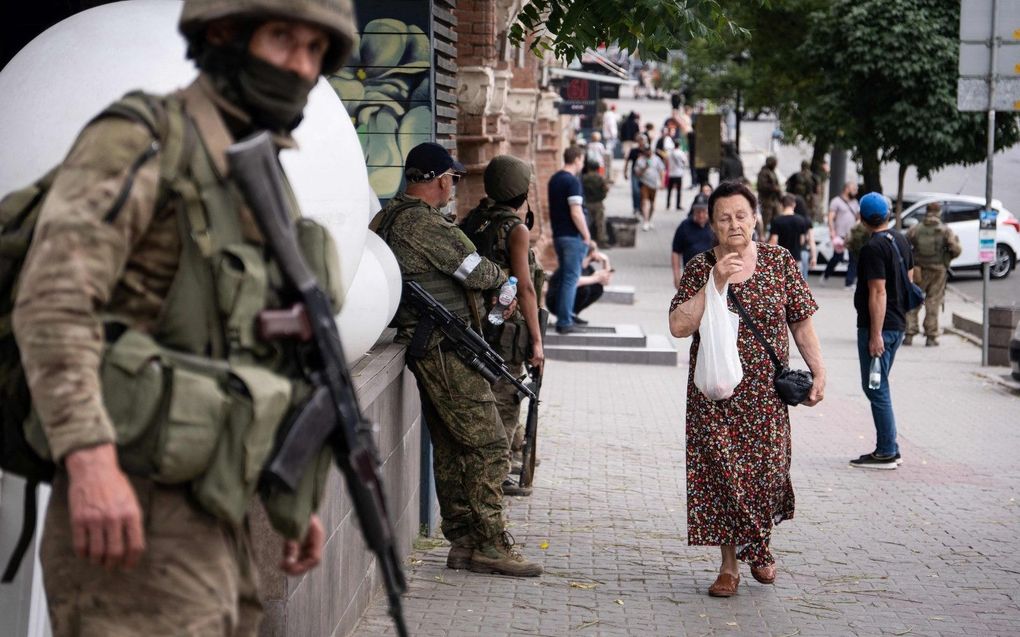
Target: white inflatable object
<point>66,75</point>
<point>361,323</point>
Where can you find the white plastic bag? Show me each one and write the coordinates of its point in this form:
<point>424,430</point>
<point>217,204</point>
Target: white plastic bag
<point>718,371</point>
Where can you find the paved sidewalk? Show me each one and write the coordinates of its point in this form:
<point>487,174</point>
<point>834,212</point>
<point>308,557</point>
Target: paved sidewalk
<point>928,549</point>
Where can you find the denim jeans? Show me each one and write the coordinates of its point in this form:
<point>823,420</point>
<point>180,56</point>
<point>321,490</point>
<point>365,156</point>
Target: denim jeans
<point>830,267</point>
<point>805,263</point>
<point>851,270</point>
<point>881,399</point>
<point>570,251</point>
<point>635,191</point>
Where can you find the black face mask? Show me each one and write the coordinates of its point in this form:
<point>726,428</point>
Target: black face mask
<point>274,98</point>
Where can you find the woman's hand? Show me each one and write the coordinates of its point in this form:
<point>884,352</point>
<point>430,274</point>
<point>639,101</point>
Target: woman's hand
<point>817,392</point>
<point>726,268</point>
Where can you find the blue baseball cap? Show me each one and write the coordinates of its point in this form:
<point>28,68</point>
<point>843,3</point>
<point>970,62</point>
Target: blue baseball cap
<point>874,208</point>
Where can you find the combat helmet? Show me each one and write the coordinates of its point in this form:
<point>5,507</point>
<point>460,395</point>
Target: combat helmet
<point>506,177</point>
<point>336,17</point>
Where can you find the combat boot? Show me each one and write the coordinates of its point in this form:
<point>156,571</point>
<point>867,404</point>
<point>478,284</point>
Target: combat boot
<point>932,341</point>
<point>513,488</point>
<point>459,557</point>
<point>908,339</point>
<point>498,556</point>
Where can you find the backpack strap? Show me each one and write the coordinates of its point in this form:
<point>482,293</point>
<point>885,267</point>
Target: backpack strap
<point>30,515</point>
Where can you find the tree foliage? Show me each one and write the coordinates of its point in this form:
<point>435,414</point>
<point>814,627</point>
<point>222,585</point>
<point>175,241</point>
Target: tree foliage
<point>649,28</point>
<point>888,86</point>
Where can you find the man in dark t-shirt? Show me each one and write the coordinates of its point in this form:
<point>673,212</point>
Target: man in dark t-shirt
<point>571,237</point>
<point>793,232</point>
<point>692,237</point>
<point>883,269</point>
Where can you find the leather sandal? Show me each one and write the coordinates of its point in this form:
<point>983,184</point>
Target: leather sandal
<point>725,585</point>
<point>764,574</point>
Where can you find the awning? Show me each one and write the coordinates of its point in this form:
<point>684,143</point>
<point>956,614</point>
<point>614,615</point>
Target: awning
<point>587,75</point>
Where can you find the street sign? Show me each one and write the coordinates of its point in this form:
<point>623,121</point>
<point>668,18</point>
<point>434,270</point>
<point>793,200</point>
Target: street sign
<point>579,96</point>
<point>977,36</point>
<point>986,236</point>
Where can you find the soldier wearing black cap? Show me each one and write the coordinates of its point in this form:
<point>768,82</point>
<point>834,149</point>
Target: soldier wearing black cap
<point>471,450</point>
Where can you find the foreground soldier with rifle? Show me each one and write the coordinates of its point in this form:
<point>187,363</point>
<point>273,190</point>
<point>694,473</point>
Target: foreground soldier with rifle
<point>505,239</point>
<point>155,400</point>
<point>470,461</point>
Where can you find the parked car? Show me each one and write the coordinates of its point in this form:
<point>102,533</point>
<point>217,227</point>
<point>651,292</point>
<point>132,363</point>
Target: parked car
<point>960,213</point>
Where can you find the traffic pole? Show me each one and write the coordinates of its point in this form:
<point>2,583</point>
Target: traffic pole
<point>993,49</point>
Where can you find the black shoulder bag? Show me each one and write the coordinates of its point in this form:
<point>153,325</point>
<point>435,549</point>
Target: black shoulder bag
<point>792,385</point>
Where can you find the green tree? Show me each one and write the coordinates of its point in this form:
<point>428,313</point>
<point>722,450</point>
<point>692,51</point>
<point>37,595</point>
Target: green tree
<point>649,28</point>
<point>887,88</point>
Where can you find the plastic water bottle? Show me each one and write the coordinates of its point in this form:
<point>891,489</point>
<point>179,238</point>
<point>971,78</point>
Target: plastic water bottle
<point>875,374</point>
<point>507,294</point>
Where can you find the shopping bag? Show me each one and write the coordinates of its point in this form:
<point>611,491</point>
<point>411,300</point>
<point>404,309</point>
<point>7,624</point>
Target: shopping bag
<point>717,370</point>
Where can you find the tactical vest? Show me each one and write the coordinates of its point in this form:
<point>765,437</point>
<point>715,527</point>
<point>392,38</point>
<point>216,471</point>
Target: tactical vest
<point>489,227</point>
<point>465,303</point>
<point>930,245</point>
<point>201,399</point>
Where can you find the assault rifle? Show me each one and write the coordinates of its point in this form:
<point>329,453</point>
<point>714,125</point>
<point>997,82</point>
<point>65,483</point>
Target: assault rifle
<point>255,167</point>
<point>531,426</point>
<point>469,346</point>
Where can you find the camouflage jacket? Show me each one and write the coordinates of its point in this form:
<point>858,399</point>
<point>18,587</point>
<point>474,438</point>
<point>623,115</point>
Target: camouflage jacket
<point>82,266</point>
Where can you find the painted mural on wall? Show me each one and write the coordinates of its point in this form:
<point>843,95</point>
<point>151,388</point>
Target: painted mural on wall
<point>387,88</point>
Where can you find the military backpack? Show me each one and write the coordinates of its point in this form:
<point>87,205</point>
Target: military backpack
<point>930,244</point>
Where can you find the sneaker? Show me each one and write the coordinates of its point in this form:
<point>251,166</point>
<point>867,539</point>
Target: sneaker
<point>931,341</point>
<point>579,321</point>
<point>645,227</point>
<point>499,557</point>
<point>872,461</point>
<point>512,488</point>
<point>908,339</point>
<point>898,459</point>
<point>567,329</point>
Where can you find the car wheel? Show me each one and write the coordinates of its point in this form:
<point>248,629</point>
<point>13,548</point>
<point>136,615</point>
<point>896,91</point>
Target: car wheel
<point>1004,261</point>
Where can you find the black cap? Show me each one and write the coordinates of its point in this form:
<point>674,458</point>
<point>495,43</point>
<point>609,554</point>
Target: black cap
<point>427,161</point>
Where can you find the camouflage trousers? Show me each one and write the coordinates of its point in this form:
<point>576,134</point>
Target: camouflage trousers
<point>931,279</point>
<point>770,209</point>
<point>196,576</point>
<point>597,226</point>
<point>509,408</point>
<point>469,446</point>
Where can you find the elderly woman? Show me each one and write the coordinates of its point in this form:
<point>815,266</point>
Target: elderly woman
<point>738,449</point>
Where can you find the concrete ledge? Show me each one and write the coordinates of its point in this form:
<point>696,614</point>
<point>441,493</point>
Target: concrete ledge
<point>658,351</point>
<point>621,294</point>
<point>599,336</point>
<point>968,324</point>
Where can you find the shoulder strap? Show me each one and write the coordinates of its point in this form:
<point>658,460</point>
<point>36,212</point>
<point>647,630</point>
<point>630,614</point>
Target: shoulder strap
<point>754,328</point>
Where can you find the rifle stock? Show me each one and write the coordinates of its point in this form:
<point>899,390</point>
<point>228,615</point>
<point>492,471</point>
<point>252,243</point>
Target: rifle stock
<point>530,449</point>
<point>255,168</point>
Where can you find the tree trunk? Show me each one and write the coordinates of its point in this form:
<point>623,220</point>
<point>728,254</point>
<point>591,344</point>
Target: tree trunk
<point>901,177</point>
<point>821,147</point>
<point>871,170</point>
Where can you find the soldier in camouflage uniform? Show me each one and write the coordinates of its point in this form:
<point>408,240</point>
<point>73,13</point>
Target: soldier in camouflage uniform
<point>151,560</point>
<point>470,459</point>
<point>769,192</point>
<point>935,246</point>
<point>503,238</point>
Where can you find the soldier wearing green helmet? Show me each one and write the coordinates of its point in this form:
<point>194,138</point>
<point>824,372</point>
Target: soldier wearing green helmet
<point>152,391</point>
<point>501,236</point>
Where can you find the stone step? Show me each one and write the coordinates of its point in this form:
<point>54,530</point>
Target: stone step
<point>598,336</point>
<point>622,294</point>
<point>658,350</point>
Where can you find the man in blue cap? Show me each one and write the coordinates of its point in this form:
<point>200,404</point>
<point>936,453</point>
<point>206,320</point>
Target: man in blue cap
<point>881,302</point>
<point>471,453</point>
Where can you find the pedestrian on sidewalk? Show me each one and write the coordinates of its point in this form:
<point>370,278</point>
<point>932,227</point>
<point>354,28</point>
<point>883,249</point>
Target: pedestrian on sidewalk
<point>470,445</point>
<point>692,237</point>
<point>650,172</point>
<point>769,191</point>
<point>881,300</point>
<point>629,130</point>
<point>628,173</point>
<point>738,449</point>
<point>844,212</point>
<point>590,286</point>
<point>677,168</point>
<point>595,191</point>
<point>793,232</point>
<point>935,246</point>
<point>571,238</point>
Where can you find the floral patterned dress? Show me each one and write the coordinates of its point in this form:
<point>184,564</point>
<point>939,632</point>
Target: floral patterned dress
<point>738,449</point>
